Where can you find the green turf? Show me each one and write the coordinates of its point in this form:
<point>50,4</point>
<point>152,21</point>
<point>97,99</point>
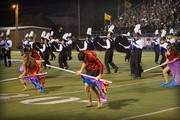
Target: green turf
<point>126,97</point>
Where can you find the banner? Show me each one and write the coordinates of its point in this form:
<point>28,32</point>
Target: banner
<point>127,4</point>
<point>107,17</point>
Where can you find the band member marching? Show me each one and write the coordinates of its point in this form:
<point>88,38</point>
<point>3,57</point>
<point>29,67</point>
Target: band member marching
<point>1,46</point>
<point>45,51</point>
<point>69,46</point>
<point>88,43</point>
<point>136,52</point>
<point>62,52</point>
<point>163,47</point>
<point>156,47</point>
<point>7,49</point>
<point>52,41</point>
<point>170,37</point>
<point>108,59</point>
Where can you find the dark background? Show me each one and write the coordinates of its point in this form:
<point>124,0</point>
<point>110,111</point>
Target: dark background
<point>44,13</point>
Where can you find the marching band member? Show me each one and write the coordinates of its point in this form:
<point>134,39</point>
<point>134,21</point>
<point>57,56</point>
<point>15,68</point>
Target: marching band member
<point>128,52</point>
<point>163,47</point>
<point>1,46</point>
<point>25,42</point>
<point>108,59</point>
<point>156,47</point>
<point>69,46</point>
<point>136,68</point>
<point>31,40</point>
<point>136,52</point>
<point>170,37</point>
<point>7,49</point>
<point>88,43</point>
<point>62,52</point>
<point>52,40</point>
<point>45,51</point>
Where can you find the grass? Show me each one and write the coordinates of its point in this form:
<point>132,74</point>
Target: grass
<point>127,97</point>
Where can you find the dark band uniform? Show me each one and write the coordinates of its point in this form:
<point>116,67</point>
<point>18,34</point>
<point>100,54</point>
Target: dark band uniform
<point>136,49</point>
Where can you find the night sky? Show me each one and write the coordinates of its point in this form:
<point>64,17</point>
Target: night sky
<point>92,11</point>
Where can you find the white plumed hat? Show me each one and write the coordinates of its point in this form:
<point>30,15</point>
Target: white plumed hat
<point>31,34</point>
<point>65,36</point>
<point>171,31</point>
<point>89,31</point>
<point>137,29</point>
<point>128,34</point>
<point>69,34</point>
<point>163,34</point>
<point>47,36</point>
<point>111,28</point>
<point>8,32</point>
<point>27,35</point>
<point>2,34</point>
<point>52,33</point>
<point>156,32</point>
<point>43,34</point>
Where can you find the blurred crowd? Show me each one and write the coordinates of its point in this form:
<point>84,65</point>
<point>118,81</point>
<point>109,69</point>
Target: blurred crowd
<point>155,14</point>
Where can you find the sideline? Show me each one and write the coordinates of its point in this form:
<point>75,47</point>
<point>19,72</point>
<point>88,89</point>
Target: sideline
<point>152,113</point>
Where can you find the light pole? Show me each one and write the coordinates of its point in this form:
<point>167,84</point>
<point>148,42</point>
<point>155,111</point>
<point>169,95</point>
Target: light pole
<point>16,7</point>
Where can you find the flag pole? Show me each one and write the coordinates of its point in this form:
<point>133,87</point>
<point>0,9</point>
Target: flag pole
<point>75,73</point>
<point>104,23</point>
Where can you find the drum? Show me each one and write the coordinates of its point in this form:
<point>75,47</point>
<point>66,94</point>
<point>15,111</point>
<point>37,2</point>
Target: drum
<point>121,41</point>
<point>98,42</point>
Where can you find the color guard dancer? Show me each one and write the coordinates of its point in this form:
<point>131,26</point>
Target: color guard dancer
<point>94,67</point>
<point>171,55</point>
<point>28,68</point>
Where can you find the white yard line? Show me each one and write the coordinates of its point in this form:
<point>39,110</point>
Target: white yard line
<point>7,80</point>
<point>45,95</point>
<point>152,113</point>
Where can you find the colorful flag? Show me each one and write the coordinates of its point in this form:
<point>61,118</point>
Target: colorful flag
<point>102,86</point>
<point>35,80</point>
<point>175,69</point>
<point>127,4</point>
<point>107,17</point>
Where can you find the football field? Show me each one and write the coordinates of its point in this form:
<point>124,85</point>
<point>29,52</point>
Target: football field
<point>64,96</point>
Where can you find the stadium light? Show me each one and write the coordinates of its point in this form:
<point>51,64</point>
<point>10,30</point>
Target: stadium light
<point>16,7</point>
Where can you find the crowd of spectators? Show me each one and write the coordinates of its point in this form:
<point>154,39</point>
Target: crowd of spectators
<point>151,15</point>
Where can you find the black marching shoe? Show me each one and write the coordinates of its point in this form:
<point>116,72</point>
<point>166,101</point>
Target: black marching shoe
<point>116,69</point>
<point>108,72</point>
<point>135,77</point>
